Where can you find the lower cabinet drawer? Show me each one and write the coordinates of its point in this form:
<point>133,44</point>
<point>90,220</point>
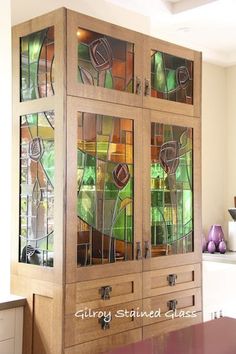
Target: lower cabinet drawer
<point>91,324</point>
<point>170,325</point>
<point>181,304</point>
<point>7,324</point>
<point>164,281</point>
<point>103,292</point>
<point>108,343</point>
<point>7,346</point>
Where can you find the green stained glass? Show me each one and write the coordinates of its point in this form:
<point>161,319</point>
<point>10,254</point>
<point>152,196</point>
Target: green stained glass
<point>37,170</point>
<point>37,70</point>
<point>171,77</point>
<point>105,61</point>
<point>171,189</point>
<point>105,189</point>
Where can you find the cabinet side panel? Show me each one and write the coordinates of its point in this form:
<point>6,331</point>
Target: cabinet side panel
<point>43,325</point>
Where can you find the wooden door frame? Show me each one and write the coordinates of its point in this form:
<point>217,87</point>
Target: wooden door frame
<point>74,273</point>
<point>149,102</point>
<point>57,103</point>
<point>152,263</point>
<point>75,20</point>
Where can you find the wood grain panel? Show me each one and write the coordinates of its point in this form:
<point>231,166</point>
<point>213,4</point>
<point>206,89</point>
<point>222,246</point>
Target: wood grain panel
<point>43,325</point>
<point>80,330</point>
<point>88,294</point>
<point>188,302</point>
<point>107,343</point>
<point>156,282</point>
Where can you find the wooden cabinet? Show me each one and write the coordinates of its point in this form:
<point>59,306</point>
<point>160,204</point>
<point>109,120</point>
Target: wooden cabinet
<point>11,330</point>
<point>107,183</point>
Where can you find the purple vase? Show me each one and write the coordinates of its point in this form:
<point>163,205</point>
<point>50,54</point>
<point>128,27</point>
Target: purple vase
<point>216,234</point>
<point>222,247</point>
<point>211,247</point>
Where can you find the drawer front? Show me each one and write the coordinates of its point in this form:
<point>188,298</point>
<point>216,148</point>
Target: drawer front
<point>7,346</point>
<point>7,324</point>
<point>168,280</point>
<point>181,304</point>
<point>169,326</point>
<point>103,292</point>
<point>101,323</point>
<point>108,343</point>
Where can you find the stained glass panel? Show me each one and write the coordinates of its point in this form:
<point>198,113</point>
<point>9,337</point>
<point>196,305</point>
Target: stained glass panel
<point>105,61</point>
<point>37,170</point>
<point>37,65</point>
<point>105,189</point>
<point>171,77</point>
<point>171,189</point>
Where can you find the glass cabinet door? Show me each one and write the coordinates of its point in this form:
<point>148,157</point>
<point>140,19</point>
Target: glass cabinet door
<point>172,78</point>
<point>103,168</point>
<point>171,227</point>
<point>103,61</point>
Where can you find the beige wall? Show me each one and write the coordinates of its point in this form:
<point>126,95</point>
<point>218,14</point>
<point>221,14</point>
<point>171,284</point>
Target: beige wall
<point>214,145</point>
<point>231,138</point>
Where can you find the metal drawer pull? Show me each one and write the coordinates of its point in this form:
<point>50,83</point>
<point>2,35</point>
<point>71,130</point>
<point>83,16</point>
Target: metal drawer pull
<point>172,304</point>
<point>138,86</point>
<point>147,249</point>
<point>172,279</point>
<point>147,87</point>
<point>105,322</point>
<point>138,250</point>
<point>105,292</point>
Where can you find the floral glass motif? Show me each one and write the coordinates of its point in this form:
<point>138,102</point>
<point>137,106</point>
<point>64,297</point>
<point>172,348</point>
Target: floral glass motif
<point>37,169</point>
<point>37,64</point>
<point>171,189</point>
<point>171,77</point>
<point>105,61</point>
<point>105,189</point>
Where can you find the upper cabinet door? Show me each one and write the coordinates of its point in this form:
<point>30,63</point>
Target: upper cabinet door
<point>104,216</point>
<point>103,61</point>
<point>171,190</point>
<point>172,78</point>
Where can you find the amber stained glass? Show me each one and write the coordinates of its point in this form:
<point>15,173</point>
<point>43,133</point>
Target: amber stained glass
<point>37,168</point>
<point>171,77</point>
<point>105,61</point>
<point>105,189</point>
<point>171,189</point>
<point>37,64</point>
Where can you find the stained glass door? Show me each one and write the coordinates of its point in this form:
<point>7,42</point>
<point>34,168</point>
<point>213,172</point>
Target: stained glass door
<point>106,61</point>
<point>172,223</point>
<point>104,170</point>
<point>172,78</point>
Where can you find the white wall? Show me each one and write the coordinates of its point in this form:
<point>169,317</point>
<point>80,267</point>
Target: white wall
<point>214,145</point>
<point>5,143</point>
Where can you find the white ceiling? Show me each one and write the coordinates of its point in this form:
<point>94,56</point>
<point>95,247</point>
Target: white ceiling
<point>205,25</point>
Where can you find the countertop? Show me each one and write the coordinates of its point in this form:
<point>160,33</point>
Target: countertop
<point>10,301</point>
<point>228,257</point>
<point>212,337</point>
